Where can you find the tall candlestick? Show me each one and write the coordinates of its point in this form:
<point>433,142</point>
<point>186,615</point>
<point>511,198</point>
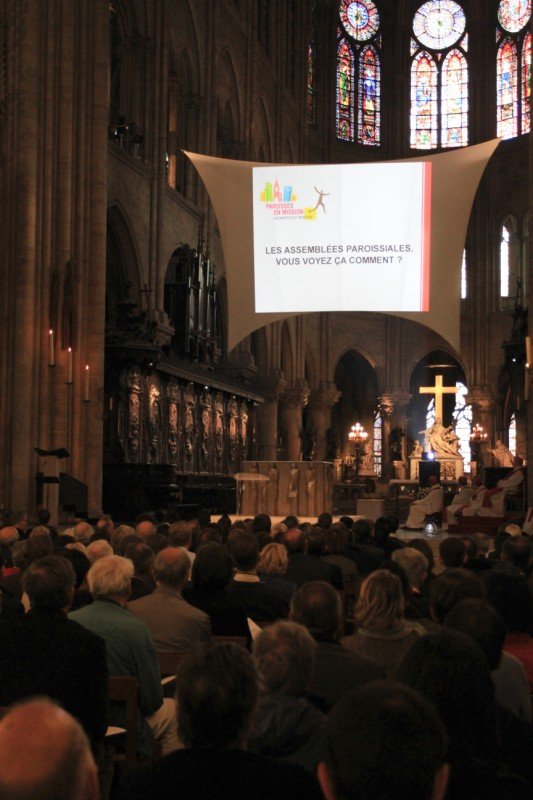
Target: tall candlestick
<point>86,385</point>
<point>51,353</point>
<point>528,351</point>
<point>69,366</point>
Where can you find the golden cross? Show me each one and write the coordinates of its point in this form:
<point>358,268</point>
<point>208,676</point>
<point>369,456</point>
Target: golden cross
<point>438,390</point>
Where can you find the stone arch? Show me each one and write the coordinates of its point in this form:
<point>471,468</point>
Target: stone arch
<point>125,267</point>
<point>357,381</point>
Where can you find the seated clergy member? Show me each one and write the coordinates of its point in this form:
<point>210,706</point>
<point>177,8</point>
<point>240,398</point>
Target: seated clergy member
<point>130,650</point>
<point>44,754</point>
<point>316,605</point>
<point>493,504</point>
<point>174,624</point>
<point>45,653</point>
<point>258,600</point>
<point>431,503</point>
<point>384,741</point>
<point>217,692</point>
<point>461,498</point>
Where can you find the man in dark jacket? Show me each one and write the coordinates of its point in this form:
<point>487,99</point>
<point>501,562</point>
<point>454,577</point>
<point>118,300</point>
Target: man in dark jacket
<point>308,566</point>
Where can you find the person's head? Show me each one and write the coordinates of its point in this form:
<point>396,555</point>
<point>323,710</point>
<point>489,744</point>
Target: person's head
<point>284,654</point>
<point>83,532</point>
<point>294,541</point>
<point>423,546</point>
<point>513,529</point>
<point>216,693</point>
<point>105,523</point>
<point>39,547</point>
<point>45,755</point>
<point>462,480</point>
<point>20,518</point>
<point>362,529</point>
<point>100,548</point>
<point>43,516</point>
<point>273,560</point>
<point>110,577</point>
<point>517,551</point>
<point>8,536</point>
<point>452,672</point>
<point>291,522</point>
<point>145,528</point>
<point>316,605</point>
<point>40,530</point>
<point>244,551</point>
<point>121,532</point>
<point>156,542</point>
<point>207,535</point>
<point>261,524</point>
<point>80,564</point>
<point>432,480</point>
<point>142,558</point>
<point>325,520</point>
<point>500,538</point>
<point>336,539</point>
<point>49,583</point>
<point>213,567</point>
<point>482,543</point>
<point>384,741</point>
<point>171,568</point>
<point>316,541</point>
<point>508,593</point>
<point>414,564</point>
<point>382,531</point>
<point>450,588</point>
<point>452,552</point>
<point>346,521</point>
<point>478,620</point>
<point>180,534</point>
<point>381,601</point>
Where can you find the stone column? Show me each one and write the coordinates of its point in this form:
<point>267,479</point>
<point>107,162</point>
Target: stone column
<point>267,419</point>
<point>321,401</point>
<point>291,414</point>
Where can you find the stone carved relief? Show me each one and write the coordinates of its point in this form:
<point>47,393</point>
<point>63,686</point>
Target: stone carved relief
<point>219,432</point>
<point>244,431</point>
<point>232,444</point>
<point>173,395</point>
<point>190,428</point>
<point>134,414</point>
<point>205,432</point>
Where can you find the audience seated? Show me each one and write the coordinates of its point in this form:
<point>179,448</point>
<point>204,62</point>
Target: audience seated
<point>99,548</point>
<point>142,558</point>
<point>508,593</point>
<point>475,557</point>
<point>45,653</point>
<point>384,741</point>
<point>316,606</point>
<point>81,565</point>
<point>44,755</point>
<point>272,566</point>
<point>286,725</point>
<point>382,536</point>
<point>362,549</point>
<point>336,548</point>
<point>453,673</point>
<point>217,693</point>
<point>83,532</point>
<point>450,588</point>
<point>175,625</point>
<point>130,650</point>
<point>261,524</point>
<point>144,528</point>
<point>260,601</point>
<point>180,535</point>
<point>482,623</point>
<point>305,563</point>
<point>383,633</point>
<point>415,566</point>
<point>452,552</point>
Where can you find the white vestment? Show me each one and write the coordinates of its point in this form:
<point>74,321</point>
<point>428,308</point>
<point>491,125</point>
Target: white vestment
<point>461,498</point>
<point>508,485</point>
<point>430,504</point>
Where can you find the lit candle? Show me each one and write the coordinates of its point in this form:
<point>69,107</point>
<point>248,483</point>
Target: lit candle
<point>528,350</point>
<point>51,354</point>
<point>69,366</point>
<point>86,388</point>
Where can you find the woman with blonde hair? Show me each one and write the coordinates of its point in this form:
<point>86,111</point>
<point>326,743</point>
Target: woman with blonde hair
<point>382,631</point>
<point>273,561</point>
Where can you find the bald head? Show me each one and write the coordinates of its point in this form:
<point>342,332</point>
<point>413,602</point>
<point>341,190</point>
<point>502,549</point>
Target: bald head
<point>145,528</point>
<point>171,567</point>
<point>45,755</point>
<point>294,541</point>
<point>8,536</point>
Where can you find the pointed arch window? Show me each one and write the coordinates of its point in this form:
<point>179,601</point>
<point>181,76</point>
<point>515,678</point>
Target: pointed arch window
<point>439,76</point>
<point>464,278</point>
<point>509,255</point>
<point>359,73</point>
<point>513,68</point>
<point>512,435</point>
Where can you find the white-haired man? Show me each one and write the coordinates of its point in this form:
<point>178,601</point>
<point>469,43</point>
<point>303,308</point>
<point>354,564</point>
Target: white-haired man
<point>130,649</point>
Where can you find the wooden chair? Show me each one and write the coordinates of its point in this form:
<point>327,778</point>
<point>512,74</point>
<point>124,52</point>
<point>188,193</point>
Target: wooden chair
<point>124,689</point>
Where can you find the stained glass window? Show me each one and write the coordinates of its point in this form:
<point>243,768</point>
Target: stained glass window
<point>345,92</point>
<point>462,423</point>
<point>513,15</point>
<point>506,93</point>
<point>360,19</point>
<point>439,76</point>
<point>368,122</point>
<point>526,83</point>
<point>439,24</point>
<point>454,100</point>
<point>505,259</point>
<point>359,68</point>
<point>423,102</point>
<point>513,68</point>
<point>311,84</point>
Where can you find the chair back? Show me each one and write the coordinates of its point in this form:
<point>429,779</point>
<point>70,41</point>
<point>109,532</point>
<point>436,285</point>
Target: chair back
<point>125,689</point>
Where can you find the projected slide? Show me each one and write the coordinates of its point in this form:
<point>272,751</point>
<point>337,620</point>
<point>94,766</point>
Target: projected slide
<point>342,237</point>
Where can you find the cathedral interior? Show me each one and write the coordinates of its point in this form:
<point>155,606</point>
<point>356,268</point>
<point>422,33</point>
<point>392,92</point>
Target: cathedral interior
<point>114,293</point>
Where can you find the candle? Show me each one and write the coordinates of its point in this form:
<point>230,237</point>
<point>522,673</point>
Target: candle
<point>69,366</point>
<point>51,360</point>
<point>86,388</point>
<point>528,351</point>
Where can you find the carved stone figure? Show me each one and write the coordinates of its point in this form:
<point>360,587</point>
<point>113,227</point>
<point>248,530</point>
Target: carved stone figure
<point>417,450</point>
<point>172,430</point>
<point>273,478</point>
<point>502,454</point>
<point>441,440</point>
<point>134,423</point>
<point>310,486</point>
<point>154,420</point>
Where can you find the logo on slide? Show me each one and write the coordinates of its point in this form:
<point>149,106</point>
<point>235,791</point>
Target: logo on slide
<point>282,203</point>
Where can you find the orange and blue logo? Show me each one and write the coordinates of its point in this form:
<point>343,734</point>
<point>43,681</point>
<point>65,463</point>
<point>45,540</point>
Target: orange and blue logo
<point>282,202</point>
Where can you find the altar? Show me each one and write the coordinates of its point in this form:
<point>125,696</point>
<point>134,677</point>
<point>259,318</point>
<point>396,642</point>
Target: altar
<point>300,488</point>
<point>451,469</point>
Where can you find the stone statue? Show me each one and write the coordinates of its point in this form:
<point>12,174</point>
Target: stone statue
<point>273,477</point>
<point>367,462</point>
<point>396,436</point>
<point>310,485</point>
<point>442,441</point>
<point>308,445</point>
<point>417,450</point>
<point>502,454</point>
